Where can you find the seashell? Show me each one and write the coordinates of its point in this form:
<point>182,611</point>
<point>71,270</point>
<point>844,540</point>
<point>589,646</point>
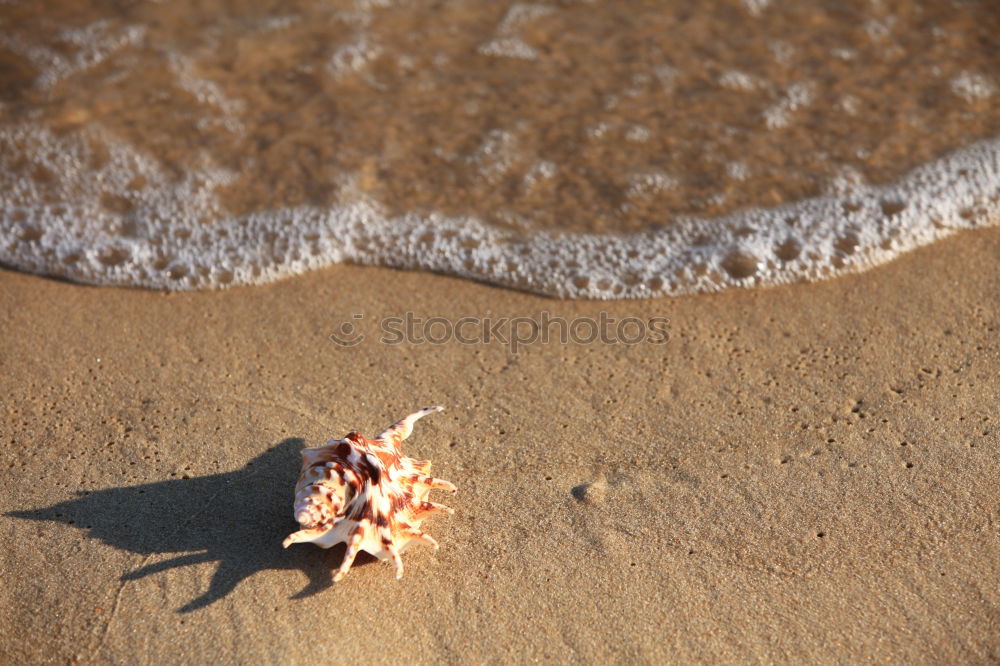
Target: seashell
<point>367,494</point>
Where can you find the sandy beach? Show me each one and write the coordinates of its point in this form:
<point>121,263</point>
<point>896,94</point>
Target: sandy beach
<point>797,464</point>
<point>800,474</point>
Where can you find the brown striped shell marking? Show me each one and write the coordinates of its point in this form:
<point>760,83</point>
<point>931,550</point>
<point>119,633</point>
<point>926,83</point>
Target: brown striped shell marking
<point>367,494</point>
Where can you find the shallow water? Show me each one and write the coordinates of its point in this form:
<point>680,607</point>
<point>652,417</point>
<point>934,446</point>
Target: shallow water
<point>577,149</point>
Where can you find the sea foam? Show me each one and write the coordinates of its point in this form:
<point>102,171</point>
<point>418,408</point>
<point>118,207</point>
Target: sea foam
<point>97,211</point>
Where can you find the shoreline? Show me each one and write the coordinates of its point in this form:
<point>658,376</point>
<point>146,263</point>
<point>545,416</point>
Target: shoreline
<point>803,472</point>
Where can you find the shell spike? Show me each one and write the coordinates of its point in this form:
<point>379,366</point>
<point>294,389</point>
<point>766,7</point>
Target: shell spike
<point>436,484</point>
<point>417,535</point>
<point>352,551</point>
<point>304,535</point>
<point>397,561</point>
<point>430,507</point>
<point>404,427</point>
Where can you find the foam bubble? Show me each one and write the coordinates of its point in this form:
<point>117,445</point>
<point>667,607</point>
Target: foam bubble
<point>353,57</point>
<point>756,7</point>
<point>92,45</point>
<point>973,87</point>
<point>508,44</point>
<point>736,80</point>
<point>97,211</point>
<point>797,95</point>
<point>646,184</point>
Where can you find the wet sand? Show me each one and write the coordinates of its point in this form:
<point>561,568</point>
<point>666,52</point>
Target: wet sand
<point>596,116</point>
<point>806,473</point>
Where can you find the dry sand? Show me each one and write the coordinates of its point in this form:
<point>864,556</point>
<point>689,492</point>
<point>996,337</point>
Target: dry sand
<point>807,473</point>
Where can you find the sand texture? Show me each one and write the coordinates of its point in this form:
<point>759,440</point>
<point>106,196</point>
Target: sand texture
<point>801,474</point>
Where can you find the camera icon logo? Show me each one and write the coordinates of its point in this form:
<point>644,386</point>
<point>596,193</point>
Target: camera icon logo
<point>347,334</point>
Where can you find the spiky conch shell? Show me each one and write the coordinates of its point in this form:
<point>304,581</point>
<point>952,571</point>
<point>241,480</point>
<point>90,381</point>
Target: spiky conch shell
<point>366,494</point>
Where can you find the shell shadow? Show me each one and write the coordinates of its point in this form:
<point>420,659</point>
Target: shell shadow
<point>236,518</point>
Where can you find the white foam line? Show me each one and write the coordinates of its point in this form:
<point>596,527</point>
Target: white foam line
<point>161,243</point>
